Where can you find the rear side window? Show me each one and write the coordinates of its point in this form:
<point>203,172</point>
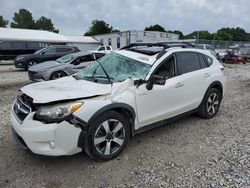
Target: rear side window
<point>64,50</point>
<point>187,62</point>
<point>203,63</point>
<point>209,60</point>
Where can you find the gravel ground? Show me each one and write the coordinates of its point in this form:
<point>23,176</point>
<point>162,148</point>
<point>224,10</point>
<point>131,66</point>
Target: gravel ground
<point>191,152</point>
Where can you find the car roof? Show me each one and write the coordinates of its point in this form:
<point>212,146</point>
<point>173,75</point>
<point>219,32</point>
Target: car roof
<point>153,54</point>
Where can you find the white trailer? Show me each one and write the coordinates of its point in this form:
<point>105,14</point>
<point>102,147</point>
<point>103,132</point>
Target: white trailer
<point>121,39</point>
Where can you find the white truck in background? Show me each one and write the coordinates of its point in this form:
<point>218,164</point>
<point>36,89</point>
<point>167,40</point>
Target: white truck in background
<point>104,48</point>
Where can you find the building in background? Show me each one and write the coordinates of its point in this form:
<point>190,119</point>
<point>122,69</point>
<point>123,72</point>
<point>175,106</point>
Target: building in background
<point>29,35</point>
<point>84,43</point>
<point>121,39</point>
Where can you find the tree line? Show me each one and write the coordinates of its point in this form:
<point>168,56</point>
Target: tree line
<point>23,19</point>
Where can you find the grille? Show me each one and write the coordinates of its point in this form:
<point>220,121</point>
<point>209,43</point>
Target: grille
<point>22,107</point>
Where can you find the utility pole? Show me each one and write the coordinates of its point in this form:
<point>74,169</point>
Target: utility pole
<point>197,37</point>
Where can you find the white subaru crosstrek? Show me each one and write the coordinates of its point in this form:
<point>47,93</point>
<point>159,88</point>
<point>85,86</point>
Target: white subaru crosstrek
<point>97,110</point>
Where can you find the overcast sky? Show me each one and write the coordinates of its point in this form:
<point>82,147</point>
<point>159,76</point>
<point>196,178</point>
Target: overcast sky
<point>73,17</point>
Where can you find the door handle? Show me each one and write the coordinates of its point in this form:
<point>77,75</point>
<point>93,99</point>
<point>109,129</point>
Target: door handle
<point>206,75</point>
<point>179,85</point>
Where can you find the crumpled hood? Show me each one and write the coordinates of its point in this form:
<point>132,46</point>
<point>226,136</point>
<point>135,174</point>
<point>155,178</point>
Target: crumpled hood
<point>66,88</point>
<point>42,66</point>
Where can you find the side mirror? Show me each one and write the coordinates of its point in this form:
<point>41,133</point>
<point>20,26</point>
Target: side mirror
<point>155,79</point>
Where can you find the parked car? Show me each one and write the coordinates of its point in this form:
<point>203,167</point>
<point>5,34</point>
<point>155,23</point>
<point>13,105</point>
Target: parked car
<point>122,94</point>
<point>11,49</point>
<point>233,57</point>
<point>46,54</point>
<point>63,66</point>
<point>208,47</point>
<point>104,48</point>
<point>245,53</point>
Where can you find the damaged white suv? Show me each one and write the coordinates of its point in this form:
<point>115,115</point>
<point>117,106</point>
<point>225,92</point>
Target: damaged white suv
<point>97,110</point>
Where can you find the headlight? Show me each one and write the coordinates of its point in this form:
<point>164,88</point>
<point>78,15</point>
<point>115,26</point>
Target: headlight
<point>56,113</point>
<point>43,70</point>
<point>19,58</point>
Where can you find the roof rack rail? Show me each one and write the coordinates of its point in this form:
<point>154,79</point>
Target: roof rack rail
<point>165,45</point>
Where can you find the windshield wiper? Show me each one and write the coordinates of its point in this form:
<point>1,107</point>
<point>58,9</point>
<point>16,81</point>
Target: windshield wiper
<point>96,77</point>
<point>109,79</point>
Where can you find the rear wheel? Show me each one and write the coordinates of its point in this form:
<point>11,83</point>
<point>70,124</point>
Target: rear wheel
<point>58,74</point>
<point>210,104</point>
<point>107,136</point>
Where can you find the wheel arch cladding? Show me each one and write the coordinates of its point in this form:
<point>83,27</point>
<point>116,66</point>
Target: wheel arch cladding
<point>121,108</point>
<point>217,85</point>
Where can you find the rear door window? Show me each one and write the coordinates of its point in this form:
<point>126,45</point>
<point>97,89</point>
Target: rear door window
<point>50,50</point>
<point>64,50</point>
<point>187,62</point>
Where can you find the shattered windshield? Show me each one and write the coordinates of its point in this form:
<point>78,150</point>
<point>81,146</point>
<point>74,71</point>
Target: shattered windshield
<point>118,68</point>
<point>66,58</point>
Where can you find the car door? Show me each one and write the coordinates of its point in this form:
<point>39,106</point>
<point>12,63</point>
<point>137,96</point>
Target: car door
<point>193,79</point>
<point>163,101</point>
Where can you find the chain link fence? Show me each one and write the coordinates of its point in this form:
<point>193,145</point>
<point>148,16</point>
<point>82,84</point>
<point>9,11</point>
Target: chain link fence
<point>219,44</point>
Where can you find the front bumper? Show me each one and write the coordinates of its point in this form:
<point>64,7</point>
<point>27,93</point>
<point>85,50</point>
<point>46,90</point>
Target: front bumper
<point>47,139</point>
<point>20,64</point>
<point>34,76</point>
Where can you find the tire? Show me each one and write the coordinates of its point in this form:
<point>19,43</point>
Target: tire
<point>31,63</point>
<point>210,104</point>
<point>57,74</point>
<point>107,137</point>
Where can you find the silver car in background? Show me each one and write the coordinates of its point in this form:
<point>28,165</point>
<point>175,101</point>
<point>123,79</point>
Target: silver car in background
<point>63,66</point>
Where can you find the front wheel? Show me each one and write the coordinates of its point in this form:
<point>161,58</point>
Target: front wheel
<point>210,104</point>
<point>57,74</point>
<point>31,63</point>
<point>107,136</point>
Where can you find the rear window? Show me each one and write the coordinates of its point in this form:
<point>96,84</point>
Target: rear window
<point>187,62</point>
